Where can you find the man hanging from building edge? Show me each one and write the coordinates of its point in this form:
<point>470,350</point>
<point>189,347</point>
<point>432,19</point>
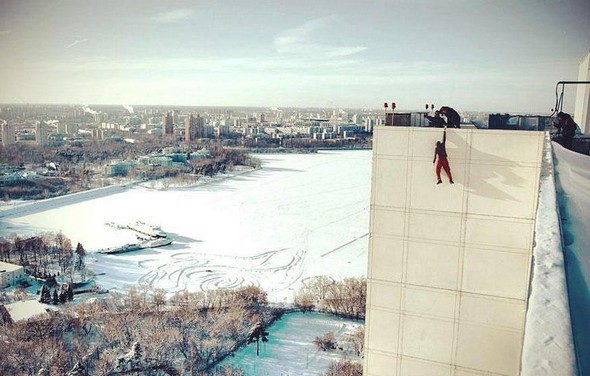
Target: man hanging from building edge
<point>443,163</point>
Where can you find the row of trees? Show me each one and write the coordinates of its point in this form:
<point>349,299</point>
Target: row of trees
<point>345,298</point>
<point>67,157</point>
<point>76,163</point>
<point>164,335</point>
<point>352,342</point>
<point>302,143</point>
<point>39,188</point>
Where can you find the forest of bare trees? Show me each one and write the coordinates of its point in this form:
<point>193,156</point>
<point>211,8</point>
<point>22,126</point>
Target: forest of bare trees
<point>345,298</point>
<point>344,368</point>
<point>137,333</point>
<point>45,254</point>
<point>144,332</point>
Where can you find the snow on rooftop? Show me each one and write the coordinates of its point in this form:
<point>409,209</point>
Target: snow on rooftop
<point>573,187</point>
<point>548,347</point>
<point>6,267</point>
<point>26,309</point>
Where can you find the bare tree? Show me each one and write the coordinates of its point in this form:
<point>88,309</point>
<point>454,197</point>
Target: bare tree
<point>344,368</point>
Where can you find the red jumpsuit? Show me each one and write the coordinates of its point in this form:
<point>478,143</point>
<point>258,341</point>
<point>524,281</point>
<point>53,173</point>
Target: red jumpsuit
<point>443,162</point>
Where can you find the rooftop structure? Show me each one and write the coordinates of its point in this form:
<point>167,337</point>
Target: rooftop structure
<point>27,309</point>
<point>582,112</point>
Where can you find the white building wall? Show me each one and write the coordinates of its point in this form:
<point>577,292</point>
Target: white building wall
<point>582,109</point>
<point>10,274</point>
<point>7,134</point>
<point>449,265</point>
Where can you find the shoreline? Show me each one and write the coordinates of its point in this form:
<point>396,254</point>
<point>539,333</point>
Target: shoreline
<point>20,208</point>
<point>23,208</point>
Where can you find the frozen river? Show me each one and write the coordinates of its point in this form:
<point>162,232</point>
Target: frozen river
<point>299,216</point>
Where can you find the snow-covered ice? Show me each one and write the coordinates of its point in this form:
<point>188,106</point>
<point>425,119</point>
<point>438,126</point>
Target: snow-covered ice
<point>299,216</point>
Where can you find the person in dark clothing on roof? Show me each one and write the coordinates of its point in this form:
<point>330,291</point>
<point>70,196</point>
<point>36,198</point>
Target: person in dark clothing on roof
<point>436,120</point>
<point>440,151</point>
<point>568,129</point>
<point>453,118</point>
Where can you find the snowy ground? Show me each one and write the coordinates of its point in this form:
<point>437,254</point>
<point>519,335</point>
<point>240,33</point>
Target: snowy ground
<point>299,216</point>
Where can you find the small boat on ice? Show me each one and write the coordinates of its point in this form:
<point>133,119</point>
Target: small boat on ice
<point>154,243</point>
<point>147,229</point>
<point>122,249</point>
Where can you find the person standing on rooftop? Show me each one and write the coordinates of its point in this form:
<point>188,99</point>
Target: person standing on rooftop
<point>568,129</point>
<point>453,118</point>
<point>436,120</point>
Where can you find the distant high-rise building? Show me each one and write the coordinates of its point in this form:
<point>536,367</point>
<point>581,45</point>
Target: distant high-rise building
<point>41,133</point>
<point>223,131</point>
<point>208,131</point>
<point>369,124</point>
<point>167,124</point>
<point>190,128</point>
<point>200,126</point>
<point>193,127</point>
<point>8,136</point>
<point>357,119</point>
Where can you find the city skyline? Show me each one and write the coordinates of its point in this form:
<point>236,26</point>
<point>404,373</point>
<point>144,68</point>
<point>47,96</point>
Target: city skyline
<point>472,55</point>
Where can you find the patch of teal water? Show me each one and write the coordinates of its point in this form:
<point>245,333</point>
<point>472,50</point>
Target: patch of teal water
<point>290,350</point>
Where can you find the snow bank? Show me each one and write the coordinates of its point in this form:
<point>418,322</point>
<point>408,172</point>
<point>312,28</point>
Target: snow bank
<point>32,207</point>
<point>573,182</point>
<point>548,342</point>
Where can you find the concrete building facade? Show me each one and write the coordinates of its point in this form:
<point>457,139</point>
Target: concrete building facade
<point>167,124</point>
<point>41,133</point>
<point>190,128</point>
<point>582,109</point>
<point>449,265</point>
<point>11,274</point>
<point>8,134</point>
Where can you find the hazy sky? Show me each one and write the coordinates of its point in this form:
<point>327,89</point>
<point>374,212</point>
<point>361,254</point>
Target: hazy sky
<point>487,55</point>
